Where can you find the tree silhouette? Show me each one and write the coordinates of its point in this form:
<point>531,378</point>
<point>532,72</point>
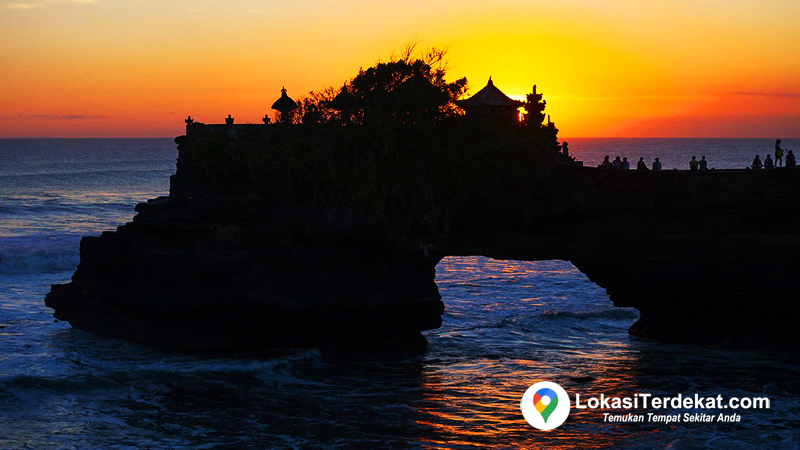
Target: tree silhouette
<point>409,88</point>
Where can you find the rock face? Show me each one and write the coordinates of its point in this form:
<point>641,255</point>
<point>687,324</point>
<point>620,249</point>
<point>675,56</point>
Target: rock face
<point>210,270</point>
<point>706,257</point>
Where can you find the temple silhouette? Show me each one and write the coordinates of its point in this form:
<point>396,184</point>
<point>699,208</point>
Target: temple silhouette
<point>492,100</point>
<point>415,94</point>
<point>284,105</point>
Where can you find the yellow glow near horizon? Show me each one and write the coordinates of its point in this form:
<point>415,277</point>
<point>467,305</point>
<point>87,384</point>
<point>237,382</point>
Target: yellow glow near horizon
<point>606,68</point>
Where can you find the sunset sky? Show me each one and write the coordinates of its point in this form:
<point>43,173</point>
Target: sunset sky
<point>130,68</point>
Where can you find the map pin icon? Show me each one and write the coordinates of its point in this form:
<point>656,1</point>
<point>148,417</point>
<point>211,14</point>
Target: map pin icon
<point>545,401</point>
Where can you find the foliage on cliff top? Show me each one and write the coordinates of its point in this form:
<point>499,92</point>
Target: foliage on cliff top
<point>387,91</point>
<point>383,147</point>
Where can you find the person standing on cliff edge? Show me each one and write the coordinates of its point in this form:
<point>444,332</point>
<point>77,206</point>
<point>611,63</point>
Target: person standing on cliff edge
<point>778,153</point>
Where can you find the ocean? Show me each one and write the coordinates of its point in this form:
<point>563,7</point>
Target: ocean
<point>675,153</point>
<point>507,325</point>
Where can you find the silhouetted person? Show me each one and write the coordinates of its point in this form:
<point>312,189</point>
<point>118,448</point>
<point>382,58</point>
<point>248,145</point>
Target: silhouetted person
<point>641,164</point>
<point>656,164</point>
<point>565,149</point>
<point>703,163</point>
<point>778,153</point>
<point>617,164</point>
<point>694,164</point>
<point>757,162</point>
<point>606,164</point>
<point>625,164</point>
<point>790,160</point>
<point>768,162</point>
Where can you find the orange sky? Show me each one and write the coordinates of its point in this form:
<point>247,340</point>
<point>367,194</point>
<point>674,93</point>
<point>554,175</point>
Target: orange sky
<point>124,68</point>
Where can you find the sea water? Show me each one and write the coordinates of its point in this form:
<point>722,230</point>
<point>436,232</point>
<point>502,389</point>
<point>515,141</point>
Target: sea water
<point>675,153</point>
<point>507,325</point>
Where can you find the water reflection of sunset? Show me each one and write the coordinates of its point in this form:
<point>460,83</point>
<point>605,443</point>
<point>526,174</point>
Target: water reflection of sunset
<point>479,396</point>
<point>480,401</point>
<point>496,342</point>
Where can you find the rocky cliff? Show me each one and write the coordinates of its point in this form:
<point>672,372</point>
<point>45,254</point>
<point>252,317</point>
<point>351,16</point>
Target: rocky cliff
<point>249,265</point>
<point>705,256</point>
<point>255,262</point>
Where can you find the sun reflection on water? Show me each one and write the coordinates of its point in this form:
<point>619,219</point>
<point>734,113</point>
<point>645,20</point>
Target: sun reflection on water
<point>530,329</point>
<point>510,324</point>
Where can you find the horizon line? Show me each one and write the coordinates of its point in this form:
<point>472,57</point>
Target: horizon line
<point>568,137</point>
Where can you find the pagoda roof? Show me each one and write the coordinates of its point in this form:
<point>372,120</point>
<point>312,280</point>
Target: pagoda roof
<point>284,103</point>
<point>491,96</point>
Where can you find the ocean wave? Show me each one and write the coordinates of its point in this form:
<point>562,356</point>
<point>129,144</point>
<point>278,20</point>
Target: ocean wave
<point>64,214</point>
<point>72,208</point>
<point>84,172</point>
<point>18,384</point>
<point>616,313</point>
<point>38,260</point>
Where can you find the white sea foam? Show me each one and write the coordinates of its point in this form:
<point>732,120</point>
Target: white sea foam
<point>31,254</point>
<point>38,259</point>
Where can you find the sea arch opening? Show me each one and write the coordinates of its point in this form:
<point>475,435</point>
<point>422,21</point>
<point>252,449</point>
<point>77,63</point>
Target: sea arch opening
<point>526,303</point>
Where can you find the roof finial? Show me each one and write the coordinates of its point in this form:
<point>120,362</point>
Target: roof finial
<point>490,82</point>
